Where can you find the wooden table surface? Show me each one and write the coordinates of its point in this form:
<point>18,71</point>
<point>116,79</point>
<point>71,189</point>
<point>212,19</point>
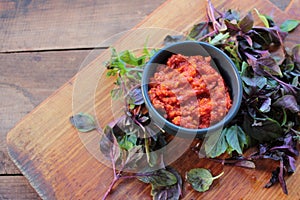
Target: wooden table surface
<point>42,46</point>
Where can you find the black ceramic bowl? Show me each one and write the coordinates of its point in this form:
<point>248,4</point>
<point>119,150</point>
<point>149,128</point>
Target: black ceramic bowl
<point>220,61</point>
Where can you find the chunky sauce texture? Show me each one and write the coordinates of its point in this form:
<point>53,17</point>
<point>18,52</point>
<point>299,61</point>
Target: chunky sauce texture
<point>189,92</point>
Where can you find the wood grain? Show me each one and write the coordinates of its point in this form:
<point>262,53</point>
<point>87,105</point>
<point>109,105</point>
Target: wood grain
<point>63,24</point>
<point>39,75</point>
<point>281,4</point>
<point>50,152</point>
<point>16,187</point>
<point>293,9</point>
<point>27,79</point>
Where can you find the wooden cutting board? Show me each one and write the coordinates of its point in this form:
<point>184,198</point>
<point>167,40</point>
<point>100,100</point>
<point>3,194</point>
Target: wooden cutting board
<point>60,163</point>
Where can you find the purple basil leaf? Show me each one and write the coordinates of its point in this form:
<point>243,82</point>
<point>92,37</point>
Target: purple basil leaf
<point>169,192</point>
<point>231,15</point>
<point>268,130</point>
<point>273,156</point>
<point>109,145</point>
<point>269,64</point>
<point>268,37</point>
<point>281,178</point>
<point>232,27</point>
<point>154,131</point>
<point>296,55</point>
<point>199,30</point>
<point>136,96</point>
<point>262,149</point>
<point>280,33</point>
<point>288,144</point>
<point>160,178</point>
<point>246,164</point>
<point>133,156</point>
<point>274,178</point>
<point>170,39</point>
<point>258,39</point>
<point>265,107</point>
<point>258,81</point>
<point>285,147</point>
<point>143,119</point>
<point>83,122</point>
<point>249,40</point>
<point>263,53</point>
<point>288,140</point>
<point>288,102</point>
<point>254,54</point>
<point>263,65</point>
<point>251,59</point>
<point>246,23</point>
<point>292,162</point>
<point>211,15</point>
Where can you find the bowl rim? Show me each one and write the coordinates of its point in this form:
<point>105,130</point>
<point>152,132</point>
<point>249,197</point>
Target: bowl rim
<point>220,124</point>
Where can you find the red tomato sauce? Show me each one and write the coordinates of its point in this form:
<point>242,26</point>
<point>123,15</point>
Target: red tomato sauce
<point>189,92</point>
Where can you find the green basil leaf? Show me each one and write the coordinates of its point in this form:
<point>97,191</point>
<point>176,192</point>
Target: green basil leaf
<point>271,84</point>
<point>129,58</point>
<point>236,139</point>
<point>152,158</point>
<point>215,144</point>
<point>260,81</point>
<point>219,38</point>
<point>263,18</point>
<point>244,69</point>
<point>244,139</point>
<point>116,93</point>
<point>128,141</point>
<point>200,179</point>
<point>295,81</point>
<point>83,122</point>
<point>289,25</point>
<point>163,178</point>
<point>232,50</point>
<point>147,52</point>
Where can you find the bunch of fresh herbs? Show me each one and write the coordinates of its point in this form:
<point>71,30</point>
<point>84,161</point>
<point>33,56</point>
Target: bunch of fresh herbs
<point>268,117</point>
<point>133,138</point>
